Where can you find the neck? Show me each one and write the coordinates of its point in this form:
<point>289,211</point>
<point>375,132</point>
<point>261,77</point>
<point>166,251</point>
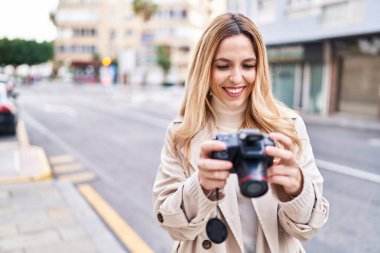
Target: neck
<point>227,116</point>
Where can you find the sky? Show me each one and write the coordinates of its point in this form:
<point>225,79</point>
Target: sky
<point>27,19</point>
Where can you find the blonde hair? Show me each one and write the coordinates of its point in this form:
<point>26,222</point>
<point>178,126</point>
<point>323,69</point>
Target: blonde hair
<point>263,111</point>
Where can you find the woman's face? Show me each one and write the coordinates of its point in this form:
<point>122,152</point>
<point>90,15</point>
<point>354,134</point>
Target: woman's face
<point>233,70</point>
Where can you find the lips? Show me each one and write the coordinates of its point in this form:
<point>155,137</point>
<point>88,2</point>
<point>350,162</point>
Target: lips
<point>234,91</point>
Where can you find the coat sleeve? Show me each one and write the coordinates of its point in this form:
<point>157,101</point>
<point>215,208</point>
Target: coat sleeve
<point>179,203</point>
<point>304,215</point>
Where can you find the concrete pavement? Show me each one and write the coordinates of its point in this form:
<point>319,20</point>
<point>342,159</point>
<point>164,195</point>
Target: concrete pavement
<point>40,214</point>
<point>50,216</point>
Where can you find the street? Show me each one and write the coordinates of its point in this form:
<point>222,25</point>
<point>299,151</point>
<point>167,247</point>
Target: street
<point>118,134</point>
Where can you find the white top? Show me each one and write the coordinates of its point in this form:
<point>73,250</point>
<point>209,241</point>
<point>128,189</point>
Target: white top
<point>229,121</point>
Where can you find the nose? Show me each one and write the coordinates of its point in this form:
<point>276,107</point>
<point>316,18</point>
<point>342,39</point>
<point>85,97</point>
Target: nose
<point>236,76</point>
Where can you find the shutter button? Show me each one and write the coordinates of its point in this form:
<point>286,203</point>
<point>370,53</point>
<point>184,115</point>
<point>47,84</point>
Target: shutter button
<point>206,244</point>
<point>160,218</point>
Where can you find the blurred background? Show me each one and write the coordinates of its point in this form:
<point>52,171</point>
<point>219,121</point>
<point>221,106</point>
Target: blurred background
<point>88,88</point>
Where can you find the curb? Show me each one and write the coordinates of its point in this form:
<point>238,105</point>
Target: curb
<point>344,122</point>
<point>46,170</point>
<point>44,174</point>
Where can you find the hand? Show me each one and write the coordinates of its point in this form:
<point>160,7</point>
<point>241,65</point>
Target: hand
<point>213,173</point>
<point>285,171</point>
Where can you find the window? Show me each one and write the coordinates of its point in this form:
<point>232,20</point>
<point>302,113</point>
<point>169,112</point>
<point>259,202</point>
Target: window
<point>266,11</point>
<point>335,14</point>
<point>85,32</point>
<point>112,34</point>
<point>265,5</point>
<point>299,2</point>
<point>79,49</point>
<point>184,14</point>
<point>184,49</point>
<point>128,32</point>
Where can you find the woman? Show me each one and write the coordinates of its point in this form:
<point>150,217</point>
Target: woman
<point>228,89</point>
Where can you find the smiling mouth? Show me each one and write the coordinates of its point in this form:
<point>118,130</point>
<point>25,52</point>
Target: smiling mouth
<point>234,92</point>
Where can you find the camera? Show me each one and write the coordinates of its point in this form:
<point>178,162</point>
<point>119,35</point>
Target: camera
<point>246,150</point>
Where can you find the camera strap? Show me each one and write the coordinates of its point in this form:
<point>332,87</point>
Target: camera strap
<point>216,230</point>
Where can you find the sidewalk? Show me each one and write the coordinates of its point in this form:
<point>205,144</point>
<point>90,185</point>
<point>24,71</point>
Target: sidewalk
<point>22,164</point>
<point>50,216</point>
<point>45,216</point>
<point>344,121</point>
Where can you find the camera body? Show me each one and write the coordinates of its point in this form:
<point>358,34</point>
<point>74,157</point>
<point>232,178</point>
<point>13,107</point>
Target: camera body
<point>246,150</point>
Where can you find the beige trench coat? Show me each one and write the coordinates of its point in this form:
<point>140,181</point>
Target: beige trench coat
<point>183,210</point>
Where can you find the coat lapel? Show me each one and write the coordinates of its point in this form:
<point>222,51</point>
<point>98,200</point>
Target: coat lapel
<point>266,210</point>
<point>228,206</point>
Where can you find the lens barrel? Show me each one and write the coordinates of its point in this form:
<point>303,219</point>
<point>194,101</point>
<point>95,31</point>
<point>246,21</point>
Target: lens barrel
<point>253,188</point>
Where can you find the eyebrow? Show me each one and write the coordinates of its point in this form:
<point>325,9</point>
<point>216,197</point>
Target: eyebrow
<point>225,59</point>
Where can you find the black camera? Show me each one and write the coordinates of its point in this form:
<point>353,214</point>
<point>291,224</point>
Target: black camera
<point>246,150</point>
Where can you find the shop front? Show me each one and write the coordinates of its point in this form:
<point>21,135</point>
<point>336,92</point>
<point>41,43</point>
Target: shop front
<point>297,76</point>
<point>358,82</point>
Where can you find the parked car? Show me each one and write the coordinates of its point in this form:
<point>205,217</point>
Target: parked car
<point>8,82</point>
<point>8,112</point>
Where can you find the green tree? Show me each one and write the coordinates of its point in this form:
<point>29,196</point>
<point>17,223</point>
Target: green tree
<point>144,8</point>
<point>163,59</point>
<point>18,51</point>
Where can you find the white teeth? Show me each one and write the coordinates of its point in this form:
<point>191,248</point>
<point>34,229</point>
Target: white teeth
<point>234,91</point>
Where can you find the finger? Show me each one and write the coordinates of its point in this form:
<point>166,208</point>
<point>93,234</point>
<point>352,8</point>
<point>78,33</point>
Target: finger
<point>209,164</point>
<point>290,185</point>
<point>284,181</point>
<point>208,147</point>
<point>283,154</point>
<point>216,175</point>
<point>282,170</point>
<point>283,139</point>
<point>211,184</point>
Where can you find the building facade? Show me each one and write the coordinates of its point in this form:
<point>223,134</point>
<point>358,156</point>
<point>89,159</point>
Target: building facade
<point>90,30</point>
<point>324,54</point>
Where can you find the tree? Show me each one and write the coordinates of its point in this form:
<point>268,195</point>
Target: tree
<point>16,52</point>
<point>144,8</point>
<point>163,60</point>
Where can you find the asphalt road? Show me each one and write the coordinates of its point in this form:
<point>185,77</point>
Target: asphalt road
<point>118,134</point>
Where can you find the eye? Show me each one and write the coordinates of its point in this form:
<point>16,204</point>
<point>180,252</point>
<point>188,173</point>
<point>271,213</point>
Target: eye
<point>222,67</point>
<point>249,66</point>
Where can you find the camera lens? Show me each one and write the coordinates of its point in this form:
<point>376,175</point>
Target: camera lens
<point>253,145</point>
<point>254,189</point>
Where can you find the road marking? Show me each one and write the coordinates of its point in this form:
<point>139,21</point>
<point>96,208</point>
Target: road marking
<point>61,159</point>
<point>66,168</point>
<point>133,114</point>
<point>63,109</point>
<point>78,177</point>
<point>374,142</point>
<point>45,164</point>
<point>38,126</point>
<point>121,229</point>
<point>345,170</point>
<point>22,134</point>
